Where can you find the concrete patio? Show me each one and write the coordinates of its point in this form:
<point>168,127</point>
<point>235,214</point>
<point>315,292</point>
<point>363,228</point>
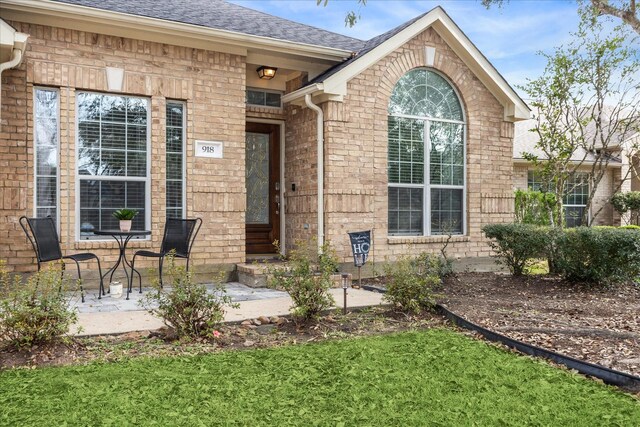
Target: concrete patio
<point>118,315</point>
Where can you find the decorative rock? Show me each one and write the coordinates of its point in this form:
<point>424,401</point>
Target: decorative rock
<point>256,322</point>
<point>264,320</point>
<point>249,343</point>
<point>246,323</point>
<point>280,320</point>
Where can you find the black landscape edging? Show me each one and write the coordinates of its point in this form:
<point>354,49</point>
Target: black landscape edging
<point>608,375</point>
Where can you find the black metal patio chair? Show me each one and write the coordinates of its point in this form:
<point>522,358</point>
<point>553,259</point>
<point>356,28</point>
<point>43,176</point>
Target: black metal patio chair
<point>44,239</point>
<point>179,235</point>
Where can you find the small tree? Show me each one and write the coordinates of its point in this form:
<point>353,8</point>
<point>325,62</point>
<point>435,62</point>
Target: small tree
<point>628,202</point>
<point>307,279</point>
<point>36,312</point>
<point>188,307</point>
<point>588,103</point>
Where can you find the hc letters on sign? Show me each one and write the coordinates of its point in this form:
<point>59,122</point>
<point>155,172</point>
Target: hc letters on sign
<point>360,245</point>
<point>209,149</point>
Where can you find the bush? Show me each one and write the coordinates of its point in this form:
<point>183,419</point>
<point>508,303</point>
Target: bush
<point>517,244</point>
<point>307,279</point>
<point>35,312</point>
<point>533,207</point>
<point>630,227</point>
<point>187,307</point>
<point>411,282</point>
<point>600,255</point>
<point>628,202</point>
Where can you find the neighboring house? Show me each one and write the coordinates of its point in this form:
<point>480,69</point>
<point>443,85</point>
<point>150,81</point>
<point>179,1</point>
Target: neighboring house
<point>172,108</point>
<point>618,177</point>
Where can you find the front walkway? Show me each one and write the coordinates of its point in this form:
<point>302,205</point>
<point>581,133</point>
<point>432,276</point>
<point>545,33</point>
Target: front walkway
<point>117,315</point>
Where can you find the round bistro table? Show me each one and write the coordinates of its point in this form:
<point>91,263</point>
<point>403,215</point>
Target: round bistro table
<point>122,237</point>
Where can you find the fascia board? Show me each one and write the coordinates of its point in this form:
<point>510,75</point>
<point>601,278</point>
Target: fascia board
<point>515,108</point>
<point>123,24</point>
<point>300,93</point>
<point>370,58</point>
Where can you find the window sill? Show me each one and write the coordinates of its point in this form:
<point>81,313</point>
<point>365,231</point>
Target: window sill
<point>402,240</point>
<point>112,244</point>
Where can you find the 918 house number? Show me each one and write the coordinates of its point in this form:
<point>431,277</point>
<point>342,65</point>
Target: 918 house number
<point>211,149</point>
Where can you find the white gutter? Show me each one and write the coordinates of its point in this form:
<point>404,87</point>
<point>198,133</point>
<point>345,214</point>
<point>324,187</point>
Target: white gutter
<point>16,58</point>
<point>307,90</point>
<point>320,138</point>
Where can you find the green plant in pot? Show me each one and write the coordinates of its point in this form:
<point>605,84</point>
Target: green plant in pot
<point>125,216</point>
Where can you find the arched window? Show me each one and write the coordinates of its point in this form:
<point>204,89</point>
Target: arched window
<point>426,162</point>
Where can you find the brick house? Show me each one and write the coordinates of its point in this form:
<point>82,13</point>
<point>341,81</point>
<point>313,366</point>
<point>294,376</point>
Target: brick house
<point>620,174</point>
<point>172,108</point>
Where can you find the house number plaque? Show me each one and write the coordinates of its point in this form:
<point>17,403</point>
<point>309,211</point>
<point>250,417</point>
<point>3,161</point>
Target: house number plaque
<point>211,149</point>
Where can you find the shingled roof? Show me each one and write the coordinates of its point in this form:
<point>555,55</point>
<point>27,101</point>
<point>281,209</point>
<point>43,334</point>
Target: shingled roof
<point>226,16</point>
<point>367,47</point>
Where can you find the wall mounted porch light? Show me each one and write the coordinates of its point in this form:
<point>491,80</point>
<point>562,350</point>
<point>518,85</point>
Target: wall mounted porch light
<point>266,73</point>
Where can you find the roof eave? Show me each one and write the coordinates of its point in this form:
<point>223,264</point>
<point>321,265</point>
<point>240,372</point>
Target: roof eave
<point>126,25</point>
<point>515,109</point>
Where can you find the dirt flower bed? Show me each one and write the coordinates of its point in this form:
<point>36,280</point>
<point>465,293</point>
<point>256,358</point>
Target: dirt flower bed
<point>263,333</point>
<point>598,325</point>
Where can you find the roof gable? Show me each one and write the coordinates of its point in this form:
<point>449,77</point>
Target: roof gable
<point>334,80</point>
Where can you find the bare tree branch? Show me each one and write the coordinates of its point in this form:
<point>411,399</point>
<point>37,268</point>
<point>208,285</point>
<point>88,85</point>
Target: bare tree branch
<point>628,15</point>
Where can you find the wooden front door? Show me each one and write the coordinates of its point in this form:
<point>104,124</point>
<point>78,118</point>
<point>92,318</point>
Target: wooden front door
<point>262,175</point>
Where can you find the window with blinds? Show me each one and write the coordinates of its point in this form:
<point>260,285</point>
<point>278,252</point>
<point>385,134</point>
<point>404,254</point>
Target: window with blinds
<point>175,128</point>
<point>426,157</point>
<point>46,142</point>
<point>575,198</point>
<point>113,169</point>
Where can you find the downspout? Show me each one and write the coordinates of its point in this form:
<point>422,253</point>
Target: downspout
<point>16,57</point>
<point>320,149</point>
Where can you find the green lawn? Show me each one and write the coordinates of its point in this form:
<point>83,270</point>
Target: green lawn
<point>436,377</point>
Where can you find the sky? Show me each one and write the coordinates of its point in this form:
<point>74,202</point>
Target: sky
<point>510,37</point>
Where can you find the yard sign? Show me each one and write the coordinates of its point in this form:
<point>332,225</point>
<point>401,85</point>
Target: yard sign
<point>360,245</point>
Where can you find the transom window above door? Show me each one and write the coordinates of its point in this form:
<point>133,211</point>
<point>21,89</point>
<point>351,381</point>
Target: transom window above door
<point>113,164</point>
<point>426,156</point>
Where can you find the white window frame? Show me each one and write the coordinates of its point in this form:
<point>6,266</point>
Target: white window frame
<point>184,154</point>
<point>427,186</point>
<point>257,89</point>
<point>79,178</point>
<point>35,154</point>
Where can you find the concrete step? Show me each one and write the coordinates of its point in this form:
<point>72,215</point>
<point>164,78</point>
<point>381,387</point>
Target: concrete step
<point>255,274</point>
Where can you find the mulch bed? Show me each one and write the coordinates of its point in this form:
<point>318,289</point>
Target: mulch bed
<point>263,333</point>
<point>598,325</point>
<point>595,324</point>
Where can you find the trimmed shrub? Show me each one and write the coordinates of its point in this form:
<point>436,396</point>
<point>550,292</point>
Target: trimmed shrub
<point>411,282</point>
<point>35,312</point>
<point>516,244</point>
<point>630,227</point>
<point>534,207</point>
<point>307,279</point>
<point>187,307</point>
<point>600,255</point>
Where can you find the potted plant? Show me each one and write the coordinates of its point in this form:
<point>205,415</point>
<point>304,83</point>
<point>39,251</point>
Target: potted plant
<point>125,216</point>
